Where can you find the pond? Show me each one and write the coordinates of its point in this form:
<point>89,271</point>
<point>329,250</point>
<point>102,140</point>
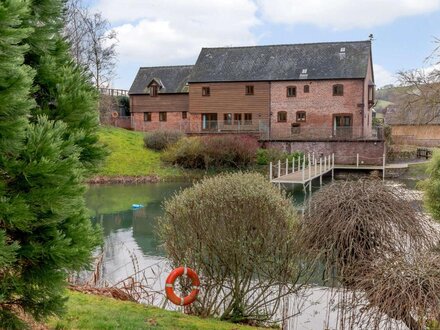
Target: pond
<point>129,234</point>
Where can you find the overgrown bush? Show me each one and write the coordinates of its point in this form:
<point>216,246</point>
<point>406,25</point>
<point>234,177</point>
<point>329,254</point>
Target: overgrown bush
<point>431,186</point>
<point>188,152</point>
<point>378,245</point>
<point>265,156</point>
<point>237,231</point>
<point>226,151</point>
<point>160,140</point>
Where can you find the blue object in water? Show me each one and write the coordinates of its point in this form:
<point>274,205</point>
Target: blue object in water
<point>136,206</point>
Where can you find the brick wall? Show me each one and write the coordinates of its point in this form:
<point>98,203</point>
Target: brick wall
<point>174,121</point>
<point>370,152</point>
<point>319,104</point>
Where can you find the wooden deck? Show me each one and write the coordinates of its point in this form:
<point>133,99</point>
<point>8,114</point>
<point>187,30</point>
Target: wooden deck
<point>297,172</point>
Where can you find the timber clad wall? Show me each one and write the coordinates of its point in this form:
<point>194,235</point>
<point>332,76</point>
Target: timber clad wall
<point>162,102</point>
<point>420,135</point>
<point>231,97</point>
<point>319,105</point>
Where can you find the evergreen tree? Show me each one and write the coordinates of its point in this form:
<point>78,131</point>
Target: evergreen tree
<point>44,228</point>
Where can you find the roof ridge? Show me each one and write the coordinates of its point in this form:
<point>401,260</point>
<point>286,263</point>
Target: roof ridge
<point>166,66</point>
<point>298,44</point>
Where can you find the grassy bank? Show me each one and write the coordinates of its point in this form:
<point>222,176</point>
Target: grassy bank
<point>95,312</point>
<point>128,157</point>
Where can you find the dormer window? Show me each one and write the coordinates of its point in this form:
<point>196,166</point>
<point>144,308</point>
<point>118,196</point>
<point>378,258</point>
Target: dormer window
<point>153,90</point>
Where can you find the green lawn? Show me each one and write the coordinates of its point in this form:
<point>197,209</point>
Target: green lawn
<point>129,157</point>
<point>94,312</point>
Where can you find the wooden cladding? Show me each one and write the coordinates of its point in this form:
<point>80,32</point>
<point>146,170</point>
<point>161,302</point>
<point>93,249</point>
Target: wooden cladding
<point>231,98</point>
<point>161,103</point>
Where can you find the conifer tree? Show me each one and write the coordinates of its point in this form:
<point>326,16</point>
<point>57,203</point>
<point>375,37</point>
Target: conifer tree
<point>44,228</point>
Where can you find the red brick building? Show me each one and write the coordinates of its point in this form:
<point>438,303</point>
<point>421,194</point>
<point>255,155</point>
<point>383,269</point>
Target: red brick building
<point>293,92</point>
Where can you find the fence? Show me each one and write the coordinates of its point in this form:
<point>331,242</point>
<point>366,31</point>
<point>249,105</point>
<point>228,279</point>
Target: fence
<point>299,133</point>
<point>113,91</point>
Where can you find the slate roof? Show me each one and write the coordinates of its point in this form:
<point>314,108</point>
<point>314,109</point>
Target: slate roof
<point>173,79</point>
<point>283,62</point>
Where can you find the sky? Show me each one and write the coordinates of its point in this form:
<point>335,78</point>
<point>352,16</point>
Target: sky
<point>172,32</point>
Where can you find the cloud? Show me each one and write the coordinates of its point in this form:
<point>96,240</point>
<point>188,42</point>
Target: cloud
<point>343,14</point>
<point>382,76</point>
<point>152,32</point>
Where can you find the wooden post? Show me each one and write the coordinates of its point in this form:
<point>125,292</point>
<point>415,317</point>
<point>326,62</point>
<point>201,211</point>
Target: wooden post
<point>320,172</point>
<point>287,166</point>
<point>357,160</point>
<point>383,169</point>
<point>316,169</point>
<point>270,171</point>
<point>308,159</point>
<point>279,168</point>
<point>304,168</point>
<point>313,158</point>
<point>333,167</point>
<point>293,165</point>
<point>325,163</point>
<point>299,163</point>
<point>310,171</point>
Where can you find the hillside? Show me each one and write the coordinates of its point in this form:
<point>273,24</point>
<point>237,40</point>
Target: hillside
<point>128,157</point>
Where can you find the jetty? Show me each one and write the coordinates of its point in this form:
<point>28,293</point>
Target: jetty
<point>305,169</point>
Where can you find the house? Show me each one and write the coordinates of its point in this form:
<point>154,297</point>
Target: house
<point>317,90</point>
<point>419,127</point>
<point>159,98</point>
<point>315,97</point>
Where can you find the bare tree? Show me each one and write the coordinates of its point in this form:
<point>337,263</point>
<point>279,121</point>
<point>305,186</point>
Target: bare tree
<point>375,243</point>
<point>420,100</point>
<point>93,43</point>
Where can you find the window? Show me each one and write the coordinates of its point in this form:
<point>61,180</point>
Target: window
<point>184,114</point>
<point>153,91</point>
<point>295,129</point>
<point>162,116</point>
<point>301,116</point>
<point>249,90</point>
<point>282,116</point>
<point>206,91</point>
<point>248,119</point>
<point>291,91</point>
<point>370,95</point>
<point>147,116</point>
<point>306,88</point>
<point>338,90</point>
<point>237,118</point>
<point>227,118</point>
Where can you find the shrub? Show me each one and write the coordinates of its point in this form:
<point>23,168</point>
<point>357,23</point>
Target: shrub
<point>431,186</point>
<point>160,140</point>
<point>237,231</point>
<point>188,152</point>
<point>229,151</point>
<point>265,156</point>
<point>224,151</point>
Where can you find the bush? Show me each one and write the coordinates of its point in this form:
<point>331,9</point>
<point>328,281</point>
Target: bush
<point>237,231</point>
<point>224,151</point>
<point>229,151</point>
<point>265,156</point>
<point>431,186</point>
<point>160,140</point>
<point>188,152</point>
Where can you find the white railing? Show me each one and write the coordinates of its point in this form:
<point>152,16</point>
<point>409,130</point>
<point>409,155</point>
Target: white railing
<point>309,166</point>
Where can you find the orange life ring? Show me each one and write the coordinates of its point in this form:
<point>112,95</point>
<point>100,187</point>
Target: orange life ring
<point>115,114</point>
<point>169,286</point>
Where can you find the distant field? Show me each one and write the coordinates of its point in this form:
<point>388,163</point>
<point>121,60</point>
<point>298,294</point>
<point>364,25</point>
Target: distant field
<point>129,157</point>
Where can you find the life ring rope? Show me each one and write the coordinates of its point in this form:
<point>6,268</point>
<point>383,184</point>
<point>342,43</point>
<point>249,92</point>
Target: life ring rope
<point>169,286</point>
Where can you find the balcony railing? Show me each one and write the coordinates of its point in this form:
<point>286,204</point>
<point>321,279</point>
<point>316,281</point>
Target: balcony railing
<point>326,133</point>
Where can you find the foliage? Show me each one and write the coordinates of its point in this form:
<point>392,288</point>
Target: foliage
<point>387,132</point>
<point>92,43</point>
<point>86,311</point>
<point>226,151</point>
<point>401,152</point>
<point>237,231</point>
<point>128,155</point>
<point>161,139</point>
<point>45,231</point>
<point>431,185</point>
<point>265,156</point>
<point>124,103</point>
<point>379,247</point>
